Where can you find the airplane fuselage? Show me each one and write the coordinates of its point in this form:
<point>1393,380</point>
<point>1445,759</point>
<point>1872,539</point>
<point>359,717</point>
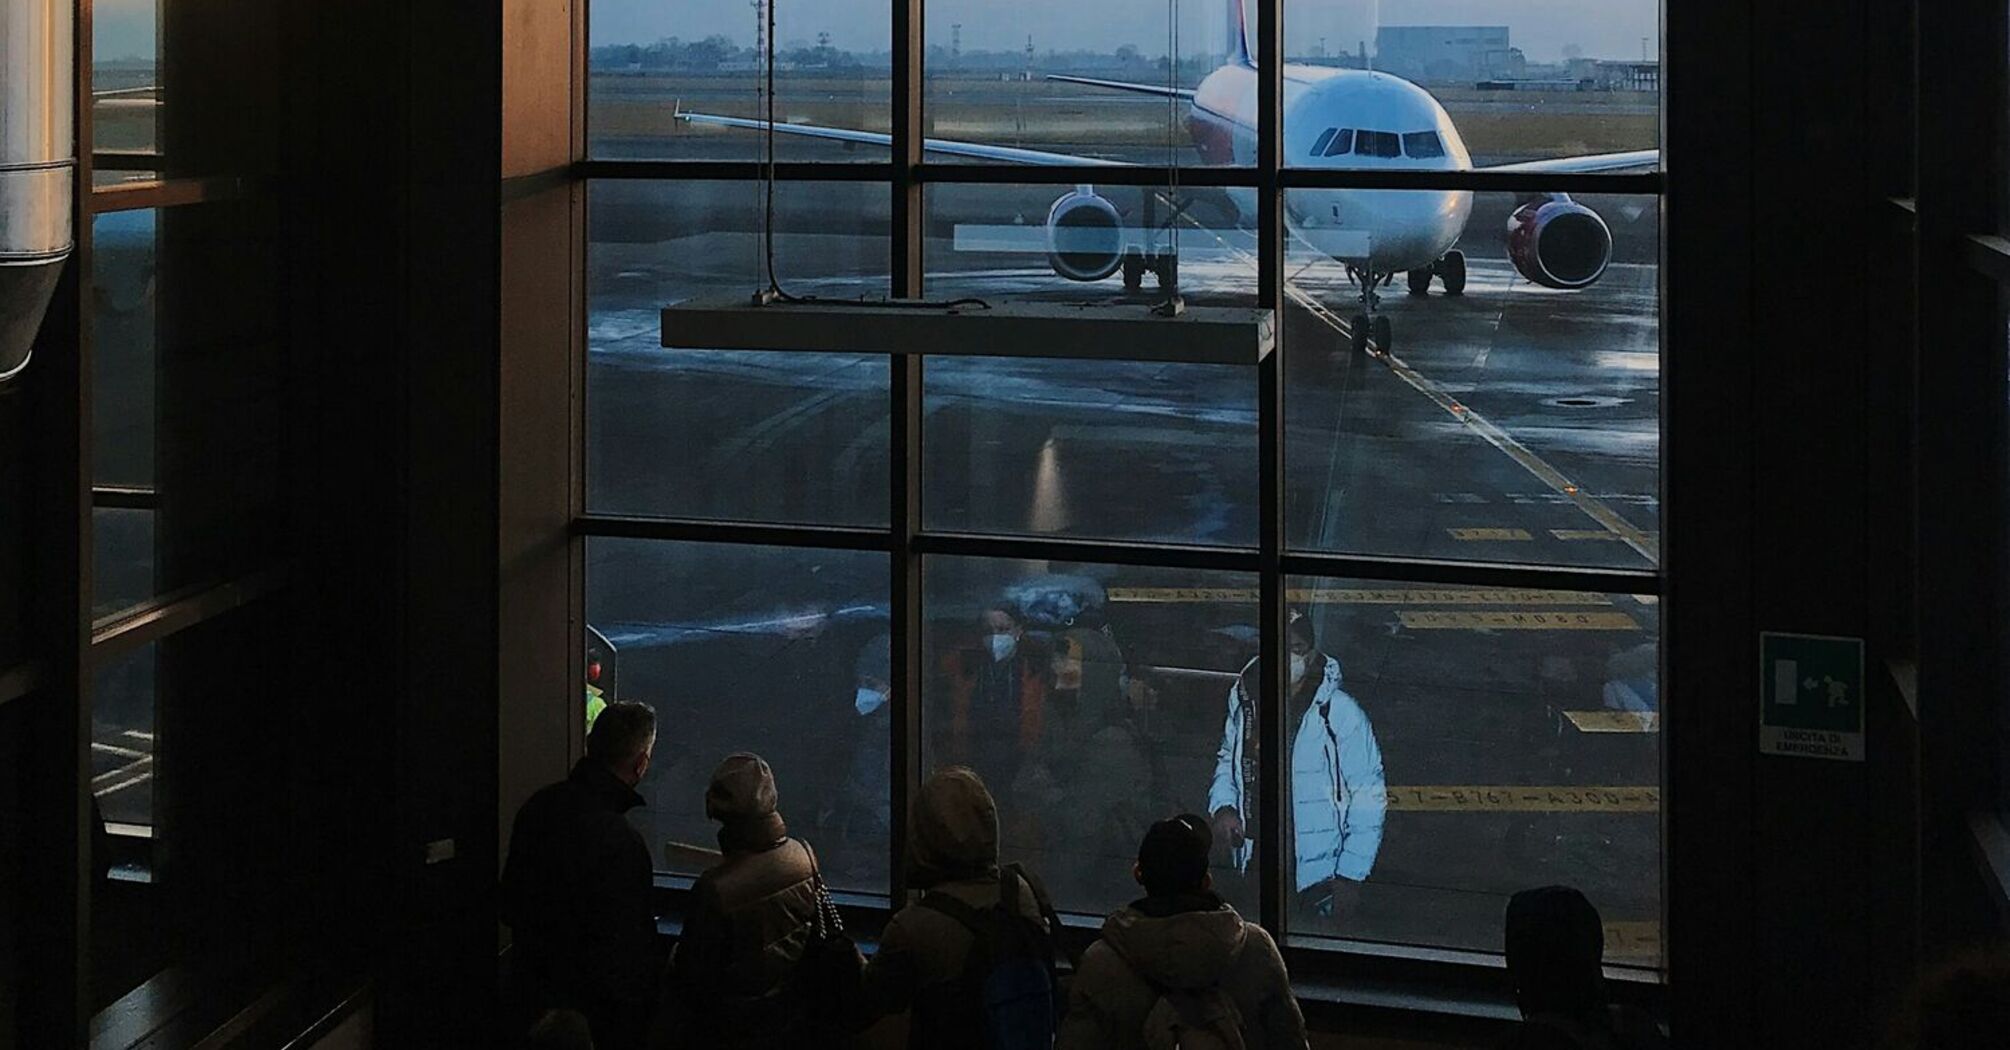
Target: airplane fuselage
<point>1345,119</point>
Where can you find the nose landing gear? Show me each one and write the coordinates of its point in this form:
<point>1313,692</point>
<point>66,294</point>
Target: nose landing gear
<point>1367,324</point>
<point>1451,270</point>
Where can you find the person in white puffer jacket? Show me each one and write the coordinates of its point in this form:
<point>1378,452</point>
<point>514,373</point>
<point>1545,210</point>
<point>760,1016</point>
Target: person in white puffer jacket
<point>1338,793</point>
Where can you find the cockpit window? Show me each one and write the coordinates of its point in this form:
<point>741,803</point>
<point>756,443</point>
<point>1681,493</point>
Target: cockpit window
<point>1378,144</point>
<point>1319,147</point>
<point>1423,144</point>
<point>1342,143</point>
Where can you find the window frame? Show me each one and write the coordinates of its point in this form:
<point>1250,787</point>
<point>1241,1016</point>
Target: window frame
<point>1462,976</point>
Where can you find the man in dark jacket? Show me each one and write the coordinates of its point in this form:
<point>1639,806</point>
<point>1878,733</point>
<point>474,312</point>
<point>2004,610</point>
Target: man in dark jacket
<point>576,888</point>
<point>750,917</point>
<point>1180,955</point>
<point>1555,957</point>
<point>953,843</point>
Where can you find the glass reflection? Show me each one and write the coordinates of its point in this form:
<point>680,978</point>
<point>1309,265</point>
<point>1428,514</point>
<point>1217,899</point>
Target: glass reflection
<point>1090,699</point>
<point>1452,745</point>
<point>779,652</point>
<point>690,432</point>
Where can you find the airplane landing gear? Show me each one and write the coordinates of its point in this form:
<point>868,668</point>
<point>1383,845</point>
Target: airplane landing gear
<point>1162,265</point>
<point>1367,323</point>
<point>1451,270</point>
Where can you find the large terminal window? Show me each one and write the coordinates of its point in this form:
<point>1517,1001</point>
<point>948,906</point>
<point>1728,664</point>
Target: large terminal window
<point>1440,497</point>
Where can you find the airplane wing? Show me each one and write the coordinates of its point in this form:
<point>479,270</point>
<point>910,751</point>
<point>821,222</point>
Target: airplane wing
<point>1160,90</point>
<point>972,150</point>
<point>1640,159</point>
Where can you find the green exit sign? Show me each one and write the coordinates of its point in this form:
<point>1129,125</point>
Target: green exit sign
<point>1811,696</point>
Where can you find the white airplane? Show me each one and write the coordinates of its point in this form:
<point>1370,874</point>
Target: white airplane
<point>1348,119</point>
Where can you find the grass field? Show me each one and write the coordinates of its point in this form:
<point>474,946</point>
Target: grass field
<point>1064,117</point>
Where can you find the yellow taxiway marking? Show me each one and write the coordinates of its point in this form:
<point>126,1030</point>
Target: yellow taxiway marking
<point>1632,940</point>
<point>1358,596</point>
<point>1482,798</point>
<point>1615,721</point>
<point>1489,620</point>
<point>1646,546</point>
<point>1510,535</point>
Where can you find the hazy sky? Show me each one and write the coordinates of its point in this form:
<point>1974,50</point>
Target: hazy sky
<point>1541,28</point>
<point>125,29</point>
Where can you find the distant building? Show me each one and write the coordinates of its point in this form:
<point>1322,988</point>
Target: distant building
<point>1448,53</point>
<point>1628,76</point>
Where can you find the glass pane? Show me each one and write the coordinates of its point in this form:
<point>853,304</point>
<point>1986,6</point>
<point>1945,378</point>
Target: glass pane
<point>122,739</point>
<point>650,61</point>
<point>186,405</point>
<point>754,649</point>
<point>999,75</point>
<point>737,435</point>
<point>1515,733</point>
<point>1107,244</point>
<point>1518,420</point>
<point>125,83</point>
<point>1502,83</point>
<point>1100,449</point>
<point>124,254</point>
<point>1092,702</point>
<point>1122,450</point>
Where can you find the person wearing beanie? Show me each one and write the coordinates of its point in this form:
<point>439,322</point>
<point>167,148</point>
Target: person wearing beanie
<point>576,890</point>
<point>748,922</point>
<point>1180,956</point>
<point>923,952</point>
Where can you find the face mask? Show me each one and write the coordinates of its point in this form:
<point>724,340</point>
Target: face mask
<point>1297,668</point>
<point>869,700</point>
<point>1002,646</point>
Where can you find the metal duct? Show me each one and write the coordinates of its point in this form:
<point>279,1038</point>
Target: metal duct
<point>38,162</point>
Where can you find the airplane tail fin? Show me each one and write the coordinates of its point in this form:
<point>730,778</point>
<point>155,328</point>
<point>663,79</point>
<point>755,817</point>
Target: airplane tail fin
<point>1238,33</point>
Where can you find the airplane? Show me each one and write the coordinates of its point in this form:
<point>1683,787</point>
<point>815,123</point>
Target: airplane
<point>1345,119</point>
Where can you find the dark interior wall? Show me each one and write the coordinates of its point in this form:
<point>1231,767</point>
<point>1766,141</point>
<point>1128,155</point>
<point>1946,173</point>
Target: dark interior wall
<point>1787,877</point>
<point>394,138</point>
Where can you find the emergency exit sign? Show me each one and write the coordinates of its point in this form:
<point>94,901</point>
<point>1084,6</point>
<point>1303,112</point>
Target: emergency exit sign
<point>1811,696</point>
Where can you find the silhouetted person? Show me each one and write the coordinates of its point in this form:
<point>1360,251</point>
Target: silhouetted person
<point>1556,959</point>
<point>1179,966</point>
<point>576,889</point>
<point>747,922</point>
<point>1964,1005</point>
<point>560,1030</point>
<point>926,963</point>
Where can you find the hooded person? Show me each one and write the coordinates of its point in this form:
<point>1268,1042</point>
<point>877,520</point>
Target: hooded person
<point>1179,966</point>
<point>1555,944</point>
<point>924,952</point>
<point>1338,791</point>
<point>749,920</point>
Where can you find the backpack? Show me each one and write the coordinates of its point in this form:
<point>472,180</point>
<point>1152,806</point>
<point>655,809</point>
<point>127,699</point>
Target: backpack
<point>1008,982</point>
<point>1193,1019</point>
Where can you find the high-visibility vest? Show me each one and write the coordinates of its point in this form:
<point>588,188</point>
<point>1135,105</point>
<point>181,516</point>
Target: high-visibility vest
<point>596,702</point>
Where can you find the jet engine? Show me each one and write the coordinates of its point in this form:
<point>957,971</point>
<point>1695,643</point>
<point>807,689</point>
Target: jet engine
<point>1558,243</point>
<point>1085,236</point>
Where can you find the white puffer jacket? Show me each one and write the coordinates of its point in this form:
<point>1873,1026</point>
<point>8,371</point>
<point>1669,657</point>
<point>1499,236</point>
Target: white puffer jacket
<point>1338,794</point>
